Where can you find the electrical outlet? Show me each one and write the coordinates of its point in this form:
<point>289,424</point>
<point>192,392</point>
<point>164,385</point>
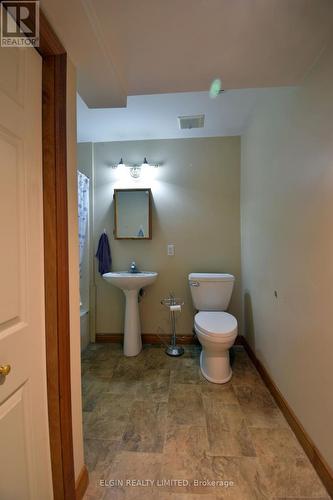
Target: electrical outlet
<point>171,250</point>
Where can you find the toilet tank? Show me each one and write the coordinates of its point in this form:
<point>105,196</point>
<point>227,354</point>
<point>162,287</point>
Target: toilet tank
<point>211,291</point>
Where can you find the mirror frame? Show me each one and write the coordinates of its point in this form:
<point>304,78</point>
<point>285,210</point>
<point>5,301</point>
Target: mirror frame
<point>115,231</point>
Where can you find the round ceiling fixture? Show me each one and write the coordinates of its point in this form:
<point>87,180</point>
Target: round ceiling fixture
<point>215,88</point>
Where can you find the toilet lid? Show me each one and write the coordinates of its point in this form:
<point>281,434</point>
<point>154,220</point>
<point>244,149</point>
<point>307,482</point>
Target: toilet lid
<point>215,323</point>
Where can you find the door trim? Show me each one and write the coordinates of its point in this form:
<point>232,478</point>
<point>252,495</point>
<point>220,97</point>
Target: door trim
<point>54,118</point>
<point>81,484</point>
<point>57,325</point>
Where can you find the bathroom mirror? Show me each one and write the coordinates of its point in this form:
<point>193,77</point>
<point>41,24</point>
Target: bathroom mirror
<point>132,214</point>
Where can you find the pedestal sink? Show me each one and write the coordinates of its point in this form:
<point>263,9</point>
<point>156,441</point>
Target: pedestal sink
<point>131,283</point>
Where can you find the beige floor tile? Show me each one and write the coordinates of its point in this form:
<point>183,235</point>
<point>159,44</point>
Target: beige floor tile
<point>186,372</point>
<point>92,389</point>
<point>244,476</point>
<point>94,490</point>
<point>100,382</point>
<point>99,453</point>
<point>276,443</point>
<point>224,393</point>
<point>102,352</point>
<point>109,418</point>
<point>192,351</point>
<point>124,388</point>
<point>100,368</point>
<point>286,467</point>
<point>259,407</point>
<point>287,478</point>
<point>185,458</point>
<point>146,427</point>
<point>132,494</point>
<point>154,385</point>
<point>133,466</point>
<point>210,432</point>
<point>129,369</point>
<point>228,433</point>
<point>155,358</point>
<point>243,371</point>
<point>301,498</point>
<point>185,405</point>
<point>188,496</point>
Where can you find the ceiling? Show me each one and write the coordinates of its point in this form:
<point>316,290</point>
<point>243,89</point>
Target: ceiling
<point>135,47</point>
<point>155,116</point>
<point>181,45</point>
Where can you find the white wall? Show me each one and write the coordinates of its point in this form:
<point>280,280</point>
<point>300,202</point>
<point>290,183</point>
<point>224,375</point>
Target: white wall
<point>195,206</point>
<point>287,244</point>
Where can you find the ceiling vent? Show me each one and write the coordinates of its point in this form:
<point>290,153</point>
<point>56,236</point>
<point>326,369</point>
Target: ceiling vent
<point>193,121</point>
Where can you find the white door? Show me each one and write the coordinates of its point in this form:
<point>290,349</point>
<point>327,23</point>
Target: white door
<point>25,471</point>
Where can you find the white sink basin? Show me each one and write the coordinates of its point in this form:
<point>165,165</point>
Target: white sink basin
<point>130,283</point>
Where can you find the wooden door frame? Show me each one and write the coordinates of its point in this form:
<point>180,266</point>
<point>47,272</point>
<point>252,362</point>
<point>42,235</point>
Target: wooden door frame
<point>56,264</point>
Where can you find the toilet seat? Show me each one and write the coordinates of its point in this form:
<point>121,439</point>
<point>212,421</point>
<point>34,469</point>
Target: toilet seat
<point>217,325</point>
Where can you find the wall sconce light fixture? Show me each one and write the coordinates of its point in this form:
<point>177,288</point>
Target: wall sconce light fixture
<point>135,170</point>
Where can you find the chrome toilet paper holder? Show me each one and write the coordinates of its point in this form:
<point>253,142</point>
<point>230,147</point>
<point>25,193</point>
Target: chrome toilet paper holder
<point>174,305</point>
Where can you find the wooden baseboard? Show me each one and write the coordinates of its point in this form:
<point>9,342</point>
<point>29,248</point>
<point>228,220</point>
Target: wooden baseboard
<point>113,338</point>
<point>323,469</point>
<point>153,338</point>
<point>81,484</point>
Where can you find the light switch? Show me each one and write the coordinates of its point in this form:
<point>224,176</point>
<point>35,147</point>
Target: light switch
<point>171,249</point>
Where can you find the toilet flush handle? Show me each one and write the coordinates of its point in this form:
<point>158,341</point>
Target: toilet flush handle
<point>194,283</point>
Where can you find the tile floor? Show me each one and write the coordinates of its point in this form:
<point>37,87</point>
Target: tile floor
<point>154,418</point>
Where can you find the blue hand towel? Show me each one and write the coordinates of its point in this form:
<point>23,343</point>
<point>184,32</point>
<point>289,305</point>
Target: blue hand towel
<point>104,255</point>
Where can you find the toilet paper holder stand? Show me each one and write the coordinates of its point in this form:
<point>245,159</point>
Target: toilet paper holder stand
<point>174,305</point>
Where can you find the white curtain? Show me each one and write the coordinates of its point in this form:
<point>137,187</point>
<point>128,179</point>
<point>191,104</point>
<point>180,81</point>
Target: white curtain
<point>83,203</point>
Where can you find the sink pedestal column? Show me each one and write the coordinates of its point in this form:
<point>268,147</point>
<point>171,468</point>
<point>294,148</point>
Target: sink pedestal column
<point>132,331</point>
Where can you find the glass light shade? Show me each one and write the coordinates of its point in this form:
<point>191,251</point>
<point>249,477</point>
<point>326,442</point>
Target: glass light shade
<point>135,172</point>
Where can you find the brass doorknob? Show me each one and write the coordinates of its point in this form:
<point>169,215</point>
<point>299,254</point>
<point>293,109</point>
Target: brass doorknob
<point>4,370</point>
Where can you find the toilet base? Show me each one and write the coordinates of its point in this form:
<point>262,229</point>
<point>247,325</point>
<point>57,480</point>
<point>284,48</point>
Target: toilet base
<point>216,369</point>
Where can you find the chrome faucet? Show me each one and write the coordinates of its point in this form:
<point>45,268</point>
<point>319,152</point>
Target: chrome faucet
<point>133,267</point>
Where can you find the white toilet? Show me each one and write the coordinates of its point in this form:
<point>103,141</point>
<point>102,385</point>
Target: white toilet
<point>215,329</point>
